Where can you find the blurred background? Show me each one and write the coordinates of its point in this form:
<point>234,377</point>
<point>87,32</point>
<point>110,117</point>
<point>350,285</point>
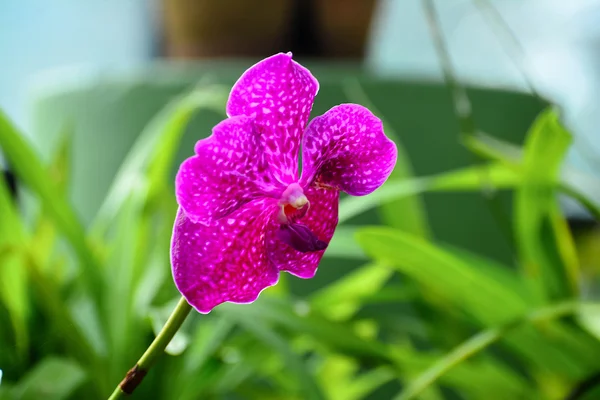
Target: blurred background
<point>473,274</point>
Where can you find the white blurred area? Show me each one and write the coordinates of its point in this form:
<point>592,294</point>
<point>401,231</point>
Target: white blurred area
<point>558,51</point>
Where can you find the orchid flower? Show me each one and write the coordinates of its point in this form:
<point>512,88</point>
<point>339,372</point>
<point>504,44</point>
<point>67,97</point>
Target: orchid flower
<point>244,214</point>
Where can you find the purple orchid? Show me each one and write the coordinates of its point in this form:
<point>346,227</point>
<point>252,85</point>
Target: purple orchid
<point>244,215</point>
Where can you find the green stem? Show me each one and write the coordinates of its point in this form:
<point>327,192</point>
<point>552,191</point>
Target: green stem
<point>136,374</point>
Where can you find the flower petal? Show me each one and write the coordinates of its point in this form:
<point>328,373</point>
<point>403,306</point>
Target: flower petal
<point>321,218</point>
<point>346,149</point>
<point>226,261</point>
<point>227,171</point>
<point>279,93</point>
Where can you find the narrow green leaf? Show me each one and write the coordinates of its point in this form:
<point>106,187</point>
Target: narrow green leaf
<point>486,177</point>
<point>353,206</point>
<point>502,274</point>
<point>366,383</point>
<point>343,245</point>
<point>566,248</point>
<point>340,378</point>
<point>120,270</point>
<point>473,290</point>
<point>268,336</point>
<point>481,341</point>
<point>582,187</point>
<point>545,147</point>
<point>332,334</point>
<point>51,379</point>
<point>50,302</point>
<point>45,232</point>
<point>443,272</point>
<point>208,337</point>
<point>13,273</point>
<point>493,176</point>
<point>491,376</point>
<point>341,299</point>
<point>31,172</point>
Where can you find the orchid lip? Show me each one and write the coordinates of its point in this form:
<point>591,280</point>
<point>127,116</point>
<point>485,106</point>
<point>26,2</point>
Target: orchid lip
<point>300,237</point>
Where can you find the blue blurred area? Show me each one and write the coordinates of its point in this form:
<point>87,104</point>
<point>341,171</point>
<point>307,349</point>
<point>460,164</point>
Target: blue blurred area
<point>36,35</point>
<point>559,41</point>
<point>558,51</point>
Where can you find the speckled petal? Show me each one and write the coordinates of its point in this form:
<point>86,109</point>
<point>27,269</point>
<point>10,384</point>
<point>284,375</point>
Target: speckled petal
<point>227,171</point>
<point>321,218</point>
<point>346,149</point>
<point>226,261</point>
<point>279,93</point>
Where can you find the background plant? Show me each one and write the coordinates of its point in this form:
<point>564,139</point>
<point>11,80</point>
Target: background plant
<point>416,317</point>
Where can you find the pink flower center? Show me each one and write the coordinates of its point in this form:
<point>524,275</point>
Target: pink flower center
<point>293,203</point>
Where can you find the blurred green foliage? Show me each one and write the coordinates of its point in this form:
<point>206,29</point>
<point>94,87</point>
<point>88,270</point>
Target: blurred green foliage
<point>417,319</point>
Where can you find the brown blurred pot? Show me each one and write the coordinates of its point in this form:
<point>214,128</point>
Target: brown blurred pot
<point>224,28</point>
<point>229,28</point>
<point>344,26</point>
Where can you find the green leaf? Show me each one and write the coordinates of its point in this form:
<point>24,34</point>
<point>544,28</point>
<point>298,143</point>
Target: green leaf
<point>545,147</point>
<point>340,378</point>
<point>208,337</point>
<point>565,246</point>
<point>492,377</point>
<point>487,177</point>
<point>31,172</point>
<point>51,379</point>
<point>76,341</point>
<point>502,274</point>
<point>481,341</point>
<point>14,295</point>
<point>332,334</point>
<point>343,245</point>
<point>443,272</point>
<point>120,270</point>
<point>13,274</point>
<point>342,299</point>
<point>45,232</point>
<point>467,287</point>
<point>582,187</point>
<point>268,336</point>
<point>365,383</point>
<point>390,192</point>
